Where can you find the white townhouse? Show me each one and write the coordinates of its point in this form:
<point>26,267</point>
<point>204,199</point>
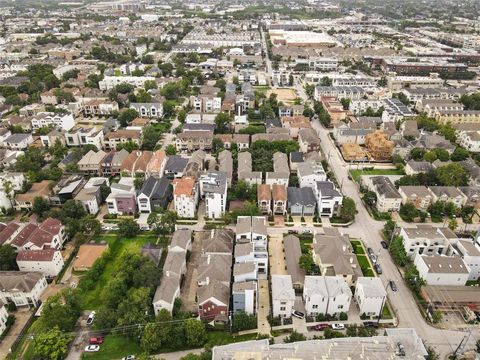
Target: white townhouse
<point>427,240</point>
<point>148,110</point>
<point>43,119</point>
<point>442,270</point>
<point>283,295</point>
<point>49,261</point>
<point>21,287</point>
<point>326,295</point>
<point>85,136</point>
<point>185,197</point>
<point>213,188</point>
<point>3,317</point>
<point>470,253</point>
<point>309,173</point>
<point>109,82</point>
<point>370,296</point>
<point>329,199</point>
<point>18,141</point>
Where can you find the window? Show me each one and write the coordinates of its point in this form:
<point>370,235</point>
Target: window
<point>314,306</point>
<point>282,308</point>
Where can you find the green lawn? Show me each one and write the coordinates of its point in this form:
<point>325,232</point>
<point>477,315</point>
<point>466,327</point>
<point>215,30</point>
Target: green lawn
<point>25,350</point>
<point>118,246</point>
<point>357,247</point>
<point>221,338</point>
<point>365,265</point>
<point>115,346</point>
<point>357,173</point>
<point>386,314</point>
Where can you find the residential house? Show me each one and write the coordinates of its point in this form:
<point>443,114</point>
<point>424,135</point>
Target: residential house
<point>213,301</point>
<point>175,167</point>
<point>156,165</point>
<point>264,198</point>
<point>245,297</point>
<point>425,239</point>
<point>49,262</point>
<point>295,158</point>
<point>431,141</point>
<point>473,199</point>
<point>52,138</point>
<point>326,295</point>
<point>333,253</point>
<point>18,141</point>
<point>469,251</point>
<point>40,189</point>
<point>283,295</point>
<point>22,288</point>
<point>3,313</point>
<point>293,252</point>
<point>309,173</point>
<point>413,167</point>
<point>185,197</point>
<point>448,194</point>
<point>245,169</point>
<point>10,182</point>
<point>329,199</point>
<point>80,136</point>
<point>242,141</point>
<point>148,110</point>
<point>226,165</point>
<point>251,243</point>
<point>91,162</point>
<point>308,140</point>
<point>181,240</point>
<point>155,194</point>
<point>136,163</point>
<point>442,270</point>
<point>91,195</point>
<point>195,164</point>
<point>388,197</point>
<point>112,162</point>
<point>352,133</point>
<point>409,128</point>
<point>99,107</point>
<point>370,296</point>
<point>279,199</point>
<point>122,199</point>
<point>213,188</point>
<point>301,201</point>
<point>419,196</point>
<point>62,121</point>
<point>112,139</point>
<point>473,171</point>
<point>281,171</point>
<point>295,123</point>
<point>194,140</point>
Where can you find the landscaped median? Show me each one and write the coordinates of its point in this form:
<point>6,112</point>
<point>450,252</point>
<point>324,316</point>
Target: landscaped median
<point>363,260</point>
<point>356,174</point>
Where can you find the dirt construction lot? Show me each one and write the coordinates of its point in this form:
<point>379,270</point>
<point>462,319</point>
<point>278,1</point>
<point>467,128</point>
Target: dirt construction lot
<point>276,255</point>
<point>284,95</point>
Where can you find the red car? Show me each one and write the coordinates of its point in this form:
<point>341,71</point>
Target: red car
<point>321,327</point>
<point>96,340</point>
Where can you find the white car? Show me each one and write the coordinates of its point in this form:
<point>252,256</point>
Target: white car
<point>338,326</point>
<point>90,318</point>
<point>92,348</point>
<point>129,357</point>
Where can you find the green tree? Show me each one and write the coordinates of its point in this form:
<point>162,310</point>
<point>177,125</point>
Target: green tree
<point>134,309</point>
<point>325,81</point>
<point>413,279</point>
<point>243,321</point>
<point>452,175</point>
<point>128,228</point>
<point>459,154</point>
<point>182,115</point>
<point>432,354</point>
<point>397,250</point>
<point>417,153</point>
<point>150,85</point>
<point>158,334</point>
<point>370,198</point>
<point>408,212</point>
<point>437,317</point>
<point>222,123</point>
<point>453,224</point>
<point>170,150</point>
<point>430,156</point>
<point>8,256</point>
<point>150,137</point>
<point>294,337</point>
<point>40,206</point>
<point>306,263</point>
<point>126,116</point>
<point>128,145</point>
<point>348,209</point>
<point>164,222</point>
<point>52,344</point>
<point>62,310</point>
<point>195,333</point>
<point>345,103</point>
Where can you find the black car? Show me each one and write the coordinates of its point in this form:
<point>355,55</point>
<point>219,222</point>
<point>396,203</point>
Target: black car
<point>384,244</point>
<point>370,251</point>
<point>393,286</point>
<point>371,324</point>
<point>378,269</point>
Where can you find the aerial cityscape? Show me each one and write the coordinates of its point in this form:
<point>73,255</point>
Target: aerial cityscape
<point>245,180</point>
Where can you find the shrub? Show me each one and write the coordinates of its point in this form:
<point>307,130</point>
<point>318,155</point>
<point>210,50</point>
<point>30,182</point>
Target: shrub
<point>343,316</point>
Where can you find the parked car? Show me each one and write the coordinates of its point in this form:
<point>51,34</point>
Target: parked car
<point>338,326</point>
<point>129,357</point>
<point>372,324</point>
<point>307,231</point>
<point>292,231</point>
<point>90,318</point>
<point>321,327</point>
<point>400,349</point>
<point>393,286</point>
<point>298,314</point>
<point>378,268</point>
<point>370,251</point>
<point>373,258</point>
<point>92,348</point>
<point>96,340</point>
<point>384,244</point>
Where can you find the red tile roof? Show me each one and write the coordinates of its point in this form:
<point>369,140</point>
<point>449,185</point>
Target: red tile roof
<point>36,255</point>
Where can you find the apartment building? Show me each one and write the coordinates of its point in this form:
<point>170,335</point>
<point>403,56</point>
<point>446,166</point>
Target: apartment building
<point>213,188</point>
<point>185,197</point>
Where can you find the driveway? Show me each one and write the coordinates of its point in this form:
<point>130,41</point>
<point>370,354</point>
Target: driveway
<point>276,255</point>
<point>263,307</point>
<point>21,317</point>
<point>189,289</point>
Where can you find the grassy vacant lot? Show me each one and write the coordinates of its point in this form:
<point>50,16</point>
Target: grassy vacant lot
<point>365,265</point>
<point>118,246</point>
<point>357,173</point>
<point>115,346</point>
<point>357,247</point>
